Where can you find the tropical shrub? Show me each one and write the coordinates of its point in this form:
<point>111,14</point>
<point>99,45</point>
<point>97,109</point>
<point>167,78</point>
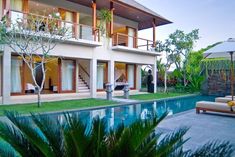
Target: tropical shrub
<point>42,135</point>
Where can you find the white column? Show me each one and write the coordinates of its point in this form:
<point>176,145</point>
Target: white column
<point>6,76</point>
<point>154,72</point>
<point>111,69</point>
<point>138,77</point>
<point>76,75</point>
<point>93,77</point>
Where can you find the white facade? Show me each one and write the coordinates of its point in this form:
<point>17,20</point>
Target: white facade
<point>86,55</point>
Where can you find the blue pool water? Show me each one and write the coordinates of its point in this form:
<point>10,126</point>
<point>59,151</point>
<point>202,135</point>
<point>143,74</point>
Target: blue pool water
<point>130,113</point>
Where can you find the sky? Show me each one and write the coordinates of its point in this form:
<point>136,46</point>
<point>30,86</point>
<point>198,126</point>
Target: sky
<point>215,19</point>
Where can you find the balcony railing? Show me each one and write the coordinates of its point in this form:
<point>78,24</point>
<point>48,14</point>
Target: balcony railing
<point>132,42</point>
<point>73,30</point>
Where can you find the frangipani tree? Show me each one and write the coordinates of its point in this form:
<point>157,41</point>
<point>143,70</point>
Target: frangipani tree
<point>33,38</point>
<point>165,47</point>
<point>182,44</point>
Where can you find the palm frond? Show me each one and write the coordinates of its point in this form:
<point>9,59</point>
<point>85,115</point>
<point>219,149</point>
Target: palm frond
<point>171,142</point>
<point>6,150</point>
<point>140,130</point>
<point>98,136</point>
<point>51,129</point>
<point>12,134</point>
<point>76,136</point>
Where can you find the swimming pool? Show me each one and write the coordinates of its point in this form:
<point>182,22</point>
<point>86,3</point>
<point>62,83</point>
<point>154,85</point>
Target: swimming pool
<point>129,113</point>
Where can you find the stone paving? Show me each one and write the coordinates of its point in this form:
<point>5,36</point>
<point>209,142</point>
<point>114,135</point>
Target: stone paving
<point>204,127</point>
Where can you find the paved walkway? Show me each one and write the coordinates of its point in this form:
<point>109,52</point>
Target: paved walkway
<point>204,127</point>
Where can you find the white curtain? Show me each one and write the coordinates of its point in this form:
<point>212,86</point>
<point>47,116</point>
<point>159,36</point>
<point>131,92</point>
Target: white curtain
<point>131,73</point>
<point>17,5</point>
<point>131,34</point>
<point>16,75</point>
<point>1,7</point>
<point>118,73</point>
<point>69,22</point>
<point>100,76</point>
<point>67,75</point>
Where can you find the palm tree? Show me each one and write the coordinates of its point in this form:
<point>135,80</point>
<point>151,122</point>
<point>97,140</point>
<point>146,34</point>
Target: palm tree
<point>41,135</point>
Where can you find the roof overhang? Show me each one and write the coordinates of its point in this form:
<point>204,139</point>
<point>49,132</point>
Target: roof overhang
<point>131,10</point>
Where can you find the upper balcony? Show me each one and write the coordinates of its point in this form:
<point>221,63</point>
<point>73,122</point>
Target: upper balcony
<point>76,33</point>
<point>131,43</point>
<point>81,19</point>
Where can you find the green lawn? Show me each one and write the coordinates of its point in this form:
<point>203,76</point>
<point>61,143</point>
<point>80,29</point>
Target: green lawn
<point>154,96</point>
<point>56,106</point>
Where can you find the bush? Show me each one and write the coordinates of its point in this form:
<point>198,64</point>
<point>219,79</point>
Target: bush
<point>43,135</point>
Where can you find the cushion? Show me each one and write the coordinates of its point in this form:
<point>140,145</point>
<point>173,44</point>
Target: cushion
<point>214,105</point>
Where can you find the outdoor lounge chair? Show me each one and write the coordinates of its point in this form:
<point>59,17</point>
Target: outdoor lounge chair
<point>214,107</point>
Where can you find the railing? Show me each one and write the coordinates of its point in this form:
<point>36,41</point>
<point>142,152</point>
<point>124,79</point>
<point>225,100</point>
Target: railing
<point>73,30</point>
<point>132,42</point>
<point>84,74</point>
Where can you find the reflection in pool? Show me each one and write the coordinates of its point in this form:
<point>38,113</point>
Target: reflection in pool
<point>129,113</point>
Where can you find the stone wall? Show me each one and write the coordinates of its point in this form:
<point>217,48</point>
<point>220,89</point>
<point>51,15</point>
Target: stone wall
<point>217,83</point>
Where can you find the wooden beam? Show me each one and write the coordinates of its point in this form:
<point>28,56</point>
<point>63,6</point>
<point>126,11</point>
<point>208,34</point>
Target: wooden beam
<point>94,20</point>
<point>111,22</point>
<point>6,6</point>
<point>25,6</point>
<point>154,32</point>
<point>59,75</point>
<point>75,25</point>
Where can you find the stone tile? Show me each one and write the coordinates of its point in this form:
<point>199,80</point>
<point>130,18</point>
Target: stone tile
<point>204,127</point>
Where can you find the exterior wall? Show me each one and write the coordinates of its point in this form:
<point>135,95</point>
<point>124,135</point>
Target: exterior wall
<point>217,83</point>
<point>100,53</point>
<point>77,52</point>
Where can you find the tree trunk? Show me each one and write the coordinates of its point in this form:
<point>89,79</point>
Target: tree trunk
<point>39,99</point>
<point>165,81</point>
<point>185,81</point>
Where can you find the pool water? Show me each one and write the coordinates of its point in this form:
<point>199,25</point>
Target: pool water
<point>130,113</point>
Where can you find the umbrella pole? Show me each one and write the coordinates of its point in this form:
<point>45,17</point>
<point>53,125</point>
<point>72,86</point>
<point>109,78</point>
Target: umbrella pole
<point>232,75</point>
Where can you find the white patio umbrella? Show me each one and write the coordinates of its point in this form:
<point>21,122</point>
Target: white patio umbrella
<point>225,49</point>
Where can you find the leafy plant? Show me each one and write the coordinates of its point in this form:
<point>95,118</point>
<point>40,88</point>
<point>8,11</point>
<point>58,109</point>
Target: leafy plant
<point>105,17</point>
<point>42,135</point>
<point>195,82</point>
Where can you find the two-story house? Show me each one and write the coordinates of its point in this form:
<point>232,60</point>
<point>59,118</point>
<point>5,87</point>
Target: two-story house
<point>86,63</point>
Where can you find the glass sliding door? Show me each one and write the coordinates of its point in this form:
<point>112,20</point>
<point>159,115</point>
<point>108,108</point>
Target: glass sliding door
<point>101,75</point>
<point>131,35</point>
<point>131,75</point>
<point>16,66</point>
<point>67,74</point>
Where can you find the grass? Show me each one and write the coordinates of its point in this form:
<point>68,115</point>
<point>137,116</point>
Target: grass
<point>153,96</point>
<point>55,106</point>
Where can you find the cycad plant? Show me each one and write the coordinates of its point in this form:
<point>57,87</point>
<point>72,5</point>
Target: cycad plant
<point>41,135</point>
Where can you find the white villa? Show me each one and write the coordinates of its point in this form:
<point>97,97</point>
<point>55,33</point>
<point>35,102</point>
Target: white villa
<point>85,65</point>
